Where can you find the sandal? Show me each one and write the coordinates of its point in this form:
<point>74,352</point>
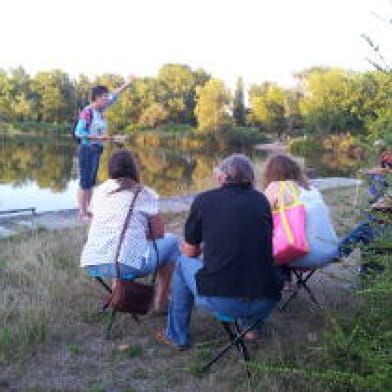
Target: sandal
<point>161,337</point>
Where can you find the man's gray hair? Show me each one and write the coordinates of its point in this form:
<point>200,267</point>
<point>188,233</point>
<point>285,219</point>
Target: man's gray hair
<point>237,169</point>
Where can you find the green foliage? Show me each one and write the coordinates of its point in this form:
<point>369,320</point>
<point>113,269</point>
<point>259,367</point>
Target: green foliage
<point>338,101</point>
<point>242,136</point>
<point>154,115</point>
<point>176,128</point>
<point>304,146</point>
<point>211,110</point>
<point>381,128</point>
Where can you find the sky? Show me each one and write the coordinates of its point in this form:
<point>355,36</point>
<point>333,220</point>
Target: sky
<point>256,39</point>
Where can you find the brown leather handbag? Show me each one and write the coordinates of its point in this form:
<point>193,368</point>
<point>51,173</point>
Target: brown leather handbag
<point>129,296</point>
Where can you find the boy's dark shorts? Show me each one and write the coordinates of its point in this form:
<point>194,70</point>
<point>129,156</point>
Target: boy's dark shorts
<point>89,156</point>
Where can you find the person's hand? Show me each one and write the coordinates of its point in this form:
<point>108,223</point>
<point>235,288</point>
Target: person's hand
<point>99,137</point>
<point>130,79</point>
<point>119,138</point>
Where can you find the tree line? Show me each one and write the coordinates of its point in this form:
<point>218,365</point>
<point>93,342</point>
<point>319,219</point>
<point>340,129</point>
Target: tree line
<point>324,100</point>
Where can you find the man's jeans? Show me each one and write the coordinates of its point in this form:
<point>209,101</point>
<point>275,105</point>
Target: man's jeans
<point>184,295</point>
<point>365,232</point>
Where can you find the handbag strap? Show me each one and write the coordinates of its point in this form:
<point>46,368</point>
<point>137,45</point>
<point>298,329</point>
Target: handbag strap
<point>287,186</point>
<point>154,244</point>
<point>285,223</point>
<point>125,226</point>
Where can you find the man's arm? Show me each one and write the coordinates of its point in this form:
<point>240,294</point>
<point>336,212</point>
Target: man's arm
<point>193,233</point>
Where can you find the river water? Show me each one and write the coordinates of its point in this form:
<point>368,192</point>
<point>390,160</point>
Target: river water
<point>41,172</point>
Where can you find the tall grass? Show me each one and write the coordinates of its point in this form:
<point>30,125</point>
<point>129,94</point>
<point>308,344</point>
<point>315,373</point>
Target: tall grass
<point>40,287</point>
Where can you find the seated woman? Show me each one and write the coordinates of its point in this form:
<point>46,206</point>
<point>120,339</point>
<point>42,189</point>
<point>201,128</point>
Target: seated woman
<point>110,204</point>
<point>373,226</point>
<point>236,276</point>
<point>320,232</point>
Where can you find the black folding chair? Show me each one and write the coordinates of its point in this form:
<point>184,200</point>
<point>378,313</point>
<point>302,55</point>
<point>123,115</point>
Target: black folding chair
<point>302,277</point>
<point>236,338</point>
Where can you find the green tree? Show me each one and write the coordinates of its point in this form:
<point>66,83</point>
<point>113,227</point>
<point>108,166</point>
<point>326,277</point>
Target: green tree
<point>267,102</point>
<point>239,111</point>
<point>175,83</point>
<point>82,91</point>
<point>55,96</point>
<point>327,105</point>
<point>6,112</point>
<point>211,109</point>
<point>177,91</point>
<point>142,94</point>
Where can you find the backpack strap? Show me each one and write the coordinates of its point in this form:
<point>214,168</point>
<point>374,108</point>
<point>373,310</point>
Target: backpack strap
<point>90,118</point>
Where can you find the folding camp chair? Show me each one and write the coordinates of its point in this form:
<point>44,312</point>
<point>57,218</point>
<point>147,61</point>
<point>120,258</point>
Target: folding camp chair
<point>105,305</point>
<point>302,276</point>
<point>236,339</point>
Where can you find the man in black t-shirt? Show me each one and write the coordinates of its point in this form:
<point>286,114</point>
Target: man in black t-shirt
<point>232,226</point>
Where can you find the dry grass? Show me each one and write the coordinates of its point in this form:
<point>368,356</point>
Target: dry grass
<point>51,336</point>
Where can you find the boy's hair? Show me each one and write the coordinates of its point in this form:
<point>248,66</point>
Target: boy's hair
<point>98,91</point>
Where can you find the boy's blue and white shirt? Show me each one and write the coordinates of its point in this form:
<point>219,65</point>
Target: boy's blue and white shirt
<point>98,124</point>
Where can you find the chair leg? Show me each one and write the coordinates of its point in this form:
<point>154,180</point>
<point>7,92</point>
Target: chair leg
<point>110,324</point>
<point>229,345</point>
<point>241,344</point>
<point>292,296</point>
<point>103,283</point>
<point>243,349</point>
<point>303,281</point>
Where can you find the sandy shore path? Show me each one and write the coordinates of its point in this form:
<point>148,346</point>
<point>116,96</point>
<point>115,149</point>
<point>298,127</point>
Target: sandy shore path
<point>11,225</point>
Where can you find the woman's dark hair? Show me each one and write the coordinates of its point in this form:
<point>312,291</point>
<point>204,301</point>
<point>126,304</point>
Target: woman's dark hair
<point>282,167</point>
<point>97,91</point>
<point>124,169</point>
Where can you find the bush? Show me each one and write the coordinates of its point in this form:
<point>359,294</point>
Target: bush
<point>381,128</point>
<point>177,128</point>
<point>242,136</point>
<point>304,146</point>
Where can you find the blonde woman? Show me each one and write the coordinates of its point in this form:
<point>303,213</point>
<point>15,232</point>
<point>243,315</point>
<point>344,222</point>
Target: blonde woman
<point>320,232</point>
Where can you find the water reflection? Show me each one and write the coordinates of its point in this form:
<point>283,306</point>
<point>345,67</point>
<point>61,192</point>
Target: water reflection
<point>47,162</point>
<point>50,164</point>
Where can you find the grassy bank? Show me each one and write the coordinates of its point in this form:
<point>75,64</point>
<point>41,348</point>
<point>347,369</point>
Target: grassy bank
<point>51,335</point>
<point>190,138</point>
<point>33,127</point>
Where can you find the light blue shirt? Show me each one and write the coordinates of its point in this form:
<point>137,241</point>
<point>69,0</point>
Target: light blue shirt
<point>98,124</point>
